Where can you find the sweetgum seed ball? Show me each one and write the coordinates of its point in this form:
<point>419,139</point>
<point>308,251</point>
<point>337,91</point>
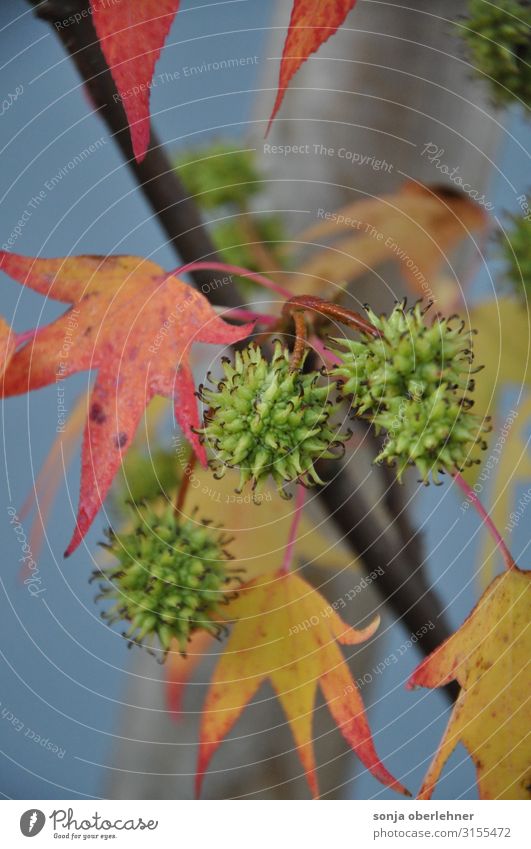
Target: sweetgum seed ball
<point>169,579</point>
<point>265,419</point>
<point>412,383</point>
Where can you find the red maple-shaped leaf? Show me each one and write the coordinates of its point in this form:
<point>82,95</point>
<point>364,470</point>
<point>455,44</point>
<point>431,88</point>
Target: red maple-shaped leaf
<point>312,23</point>
<point>132,34</point>
<point>135,324</point>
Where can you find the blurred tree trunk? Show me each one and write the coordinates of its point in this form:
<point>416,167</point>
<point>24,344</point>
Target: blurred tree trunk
<point>391,81</point>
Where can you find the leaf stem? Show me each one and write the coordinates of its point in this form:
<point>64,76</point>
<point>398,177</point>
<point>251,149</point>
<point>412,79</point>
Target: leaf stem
<point>292,538</point>
<point>185,483</point>
<point>235,269</point>
<point>486,519</point>
<point>250,315</point>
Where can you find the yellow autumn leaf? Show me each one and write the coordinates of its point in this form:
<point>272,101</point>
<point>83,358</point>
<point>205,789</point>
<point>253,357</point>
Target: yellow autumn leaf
<point>287,633</point>
<point>506,466</point>
<point>502,345</point>
<point>489,657</point>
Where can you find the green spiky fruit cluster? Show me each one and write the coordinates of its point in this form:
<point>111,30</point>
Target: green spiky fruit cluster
<point>498,35</point>
<point>265,419</point>
<point>412,382</point>
<point>169,581</point>
<point>515,246</point>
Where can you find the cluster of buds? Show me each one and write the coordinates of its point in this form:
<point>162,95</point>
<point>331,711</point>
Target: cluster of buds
<point>266,418</point>
<point>412,382</point>
<point>498,37</point>
<point>169,582</point>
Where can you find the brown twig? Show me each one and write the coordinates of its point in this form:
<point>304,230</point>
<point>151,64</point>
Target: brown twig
<point>330,310</point>
<point>300,340</point>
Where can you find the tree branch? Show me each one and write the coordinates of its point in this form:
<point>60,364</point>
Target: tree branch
<point>402,584</point>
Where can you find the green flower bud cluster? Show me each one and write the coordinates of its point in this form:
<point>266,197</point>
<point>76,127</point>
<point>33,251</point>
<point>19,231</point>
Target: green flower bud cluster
<point>265,419</point>
<point>516,252</point>
<point>412,382</point>
<point>170,579</point>
<point>498,35</point>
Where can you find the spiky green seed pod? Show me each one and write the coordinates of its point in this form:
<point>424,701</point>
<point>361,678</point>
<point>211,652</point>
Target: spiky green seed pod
<point>515,245</point>
<point>265,419</point>
<point>411,382</point>
<point>170,579</point>
<point>499,38</point>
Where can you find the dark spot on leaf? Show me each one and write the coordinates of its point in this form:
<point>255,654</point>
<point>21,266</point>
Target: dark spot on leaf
<point>97,413</point>
<point>120,440</point>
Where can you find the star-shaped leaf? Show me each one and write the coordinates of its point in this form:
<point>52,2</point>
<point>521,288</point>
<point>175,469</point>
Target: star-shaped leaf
<point>287,633</point>
<point>489,657</point>
<point>135,324</point>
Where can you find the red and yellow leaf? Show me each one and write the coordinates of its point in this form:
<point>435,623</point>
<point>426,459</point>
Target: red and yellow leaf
<point>135,324</point>
<point>312,23</point>
<point>287,633</point>
<point>132,35</point>
<point>489,657</point>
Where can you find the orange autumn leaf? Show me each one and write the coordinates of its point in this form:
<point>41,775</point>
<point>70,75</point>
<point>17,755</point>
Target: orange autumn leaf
<point>132,35</point>
<point>135,324</point>
<point>7,344</point>
<point>286,633</point>
<point>489,657</point>
<point>312,23</point>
